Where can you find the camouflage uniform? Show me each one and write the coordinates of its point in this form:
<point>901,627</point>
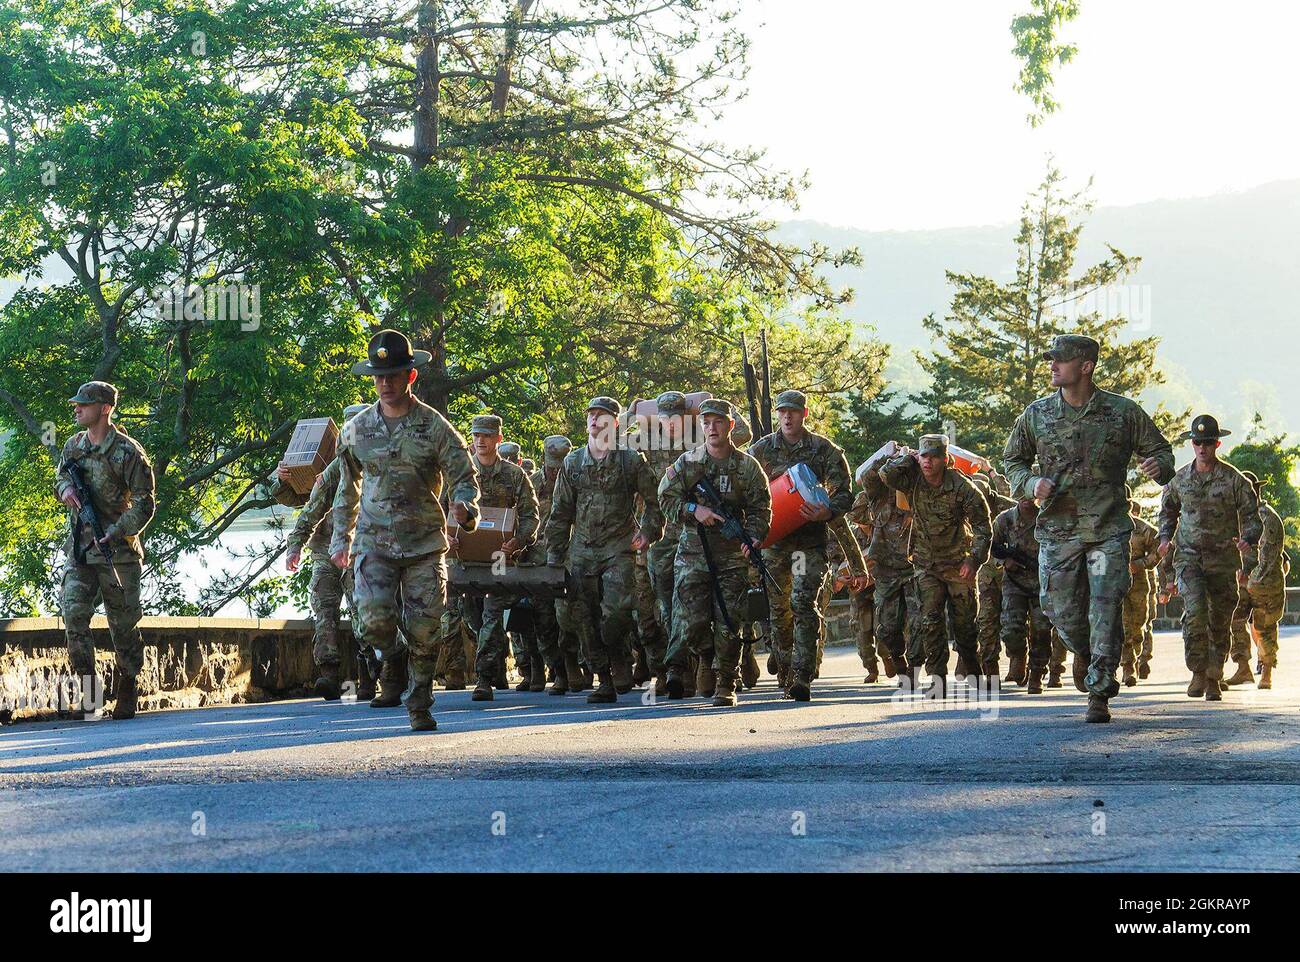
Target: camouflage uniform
<point>502,484</point>
<point>847,549</point>
<point>121,483</point>
<point>388,513</point>
<point>889,561</point>
<point>593,514</point>
<point>798,561</point>
<point>1020,592</point>
<point>1084,527</point>
<point>988,588</point>
<point>1265,590</point>
<point>314,529</point>
<point>1202,512</point>
<point>950,524</point>
<point>1144,554</point>
<point>700,626</point>
<point>557,631</point>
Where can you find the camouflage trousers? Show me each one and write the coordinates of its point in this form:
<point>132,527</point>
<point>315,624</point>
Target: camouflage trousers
<point>487,621</point>
<point>458,645</point>
<point>796,615</point>
<point>988,622</point>
<point>1261,607</point>
<point>1059,652</point>
<point>326,596</point>
<point>1148,635</point>
<point>660,560</point>
<point>410,591</point>
<point>1082,589</point>
<point>862,616</point>
<point>1022,617</point>
<point>1209,598</point>
<point>1135,621</point>
<point>84,587</point>
<point>939,590</point>
<point>698,625</point>
<point>896,606</point>
<point>603,608</point>
<point>649,632</point>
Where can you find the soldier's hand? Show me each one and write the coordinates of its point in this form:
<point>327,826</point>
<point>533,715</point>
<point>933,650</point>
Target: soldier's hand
<point>71,500</point>
<point>510,547</point>
<point>1150,467</point>
<point>1241,577</point>
<point>1242,545</point>
<point>1043,489</point>
<point>640,542</point>
<point>815,512</point>
<point>342,558</point>
<point>282,472</point>
<point>291,561</point>
<point>1163,549</point>
<point>453,542</point>
<point>967,571</point>
<point>706,515</point>
<point>460,511</point>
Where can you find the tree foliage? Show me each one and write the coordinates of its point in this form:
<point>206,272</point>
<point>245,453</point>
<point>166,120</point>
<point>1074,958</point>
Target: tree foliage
<point>1273,460</point>
<point>1041,51</point>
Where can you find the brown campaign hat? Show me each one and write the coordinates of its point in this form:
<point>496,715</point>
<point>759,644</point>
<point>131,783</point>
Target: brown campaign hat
<point>1204,428</point>
<point>390,351</point>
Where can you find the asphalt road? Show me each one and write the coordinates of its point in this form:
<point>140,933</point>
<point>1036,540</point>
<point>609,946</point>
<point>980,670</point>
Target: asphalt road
<point>854,780</point>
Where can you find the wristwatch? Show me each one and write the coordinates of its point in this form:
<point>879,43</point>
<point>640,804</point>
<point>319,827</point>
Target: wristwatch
<point>690,507</point>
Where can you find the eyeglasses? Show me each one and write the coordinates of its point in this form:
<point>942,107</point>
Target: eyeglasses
<point>1204,443</point>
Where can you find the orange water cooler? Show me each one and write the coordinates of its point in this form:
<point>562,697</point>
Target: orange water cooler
<point>791,491</point>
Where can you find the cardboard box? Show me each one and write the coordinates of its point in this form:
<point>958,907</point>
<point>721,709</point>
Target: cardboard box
<point>650,409</point>
<point>496,526</point>
<point>311,448</point>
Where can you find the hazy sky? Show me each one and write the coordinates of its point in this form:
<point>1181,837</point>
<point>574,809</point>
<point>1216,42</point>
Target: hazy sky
<point>904,114</point>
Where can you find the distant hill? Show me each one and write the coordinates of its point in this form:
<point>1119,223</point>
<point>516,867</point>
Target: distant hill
<point>1220,275</point>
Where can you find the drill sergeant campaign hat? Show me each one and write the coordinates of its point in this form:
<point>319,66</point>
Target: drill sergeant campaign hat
<point>671,402</point>
<point>791,399</point>
<point>95,392</point>
<point>933,444</point>
<point>1204,428</point>
<point>509,450</point>
<point>555,449</point>
<point>718,406</point>
<point>1068,347</point>
<point>388,352</point>
<point>603,403</point>
<point>486,424</point>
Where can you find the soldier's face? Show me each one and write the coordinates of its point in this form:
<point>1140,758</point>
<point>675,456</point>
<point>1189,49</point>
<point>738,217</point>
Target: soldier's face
<point>392,387</point>
<point>600,423</point>
<point>670,425</point>
<point>87,415</point>
<point>1028,507</point>
<point>932,465</point>
<point>1205,449</point>
<point>717,429</point>
<point>485,446</point>
<point>791,420</point>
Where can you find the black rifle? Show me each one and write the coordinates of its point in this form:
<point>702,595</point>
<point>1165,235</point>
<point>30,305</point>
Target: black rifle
<point>87,514</point>
<point>1003,551</point>
<point>707,494</point>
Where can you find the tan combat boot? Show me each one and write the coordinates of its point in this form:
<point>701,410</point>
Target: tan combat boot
<point>392,682</point>
<point>1243,675</point>
<point>1079,667</point>
<point>887,664</point>
<point>538,680</point>
<point>560,684</point>
<point>1197,687</point>
<point>689,676</point>
<point>605,693</point>
<point>1144,669</point>
<point>772,665</point>
<point>1212,690</point>
<point>127,697</point>
<point>1053,677</point>
<point>706,679</point>
<point>1130,676</point>
<point>455,679</point>
<point>1098,710</point>
<point>724,695</point>
<point>800,686</point>
<point>483,689</point>
<point>1034,686</point>
<point>621,675</point>
<point>573,672</point>
<point>1265,677</point>
<point>1018,670</point>
<point>327,683</point>
<point>749,673</point>
<point>873,673</point>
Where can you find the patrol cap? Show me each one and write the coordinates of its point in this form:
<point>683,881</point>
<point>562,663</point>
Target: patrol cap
<point>390,351</point>
<point>485,424</point>
<point>671,402</point>
<point>603,403</point>
<point>791,399</point>
<point>528,464</point>
<point>741,433</point>
<point>717,405</point>
<point>510,451</point>
<point>1068,347</point>
<point>933,444</point>
<point>555,449</point>
<point>95,392</point>
<point>1204,428</point>
<point>352,410</point>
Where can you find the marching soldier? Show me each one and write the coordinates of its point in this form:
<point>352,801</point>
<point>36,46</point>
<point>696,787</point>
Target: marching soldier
<point>1071,451</point>
<point>1144,555</point>
<point>798,561</point>
<point>950,540</point>
<point>988,589</point>
<point>119,482</point>
<point>1263,584</point>
<point>712,573</point>
<point>314,529</point>
<point>1213,511</point>
<point>593,514</point>
<point>888,562</point>
<point>1013,532</point>
<point>501,484</point>
<point>388,523</point>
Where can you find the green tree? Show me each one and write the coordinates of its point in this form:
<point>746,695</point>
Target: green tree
<point>1041,51</point>
<point>1273,460</point>
<point>987,365</point>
